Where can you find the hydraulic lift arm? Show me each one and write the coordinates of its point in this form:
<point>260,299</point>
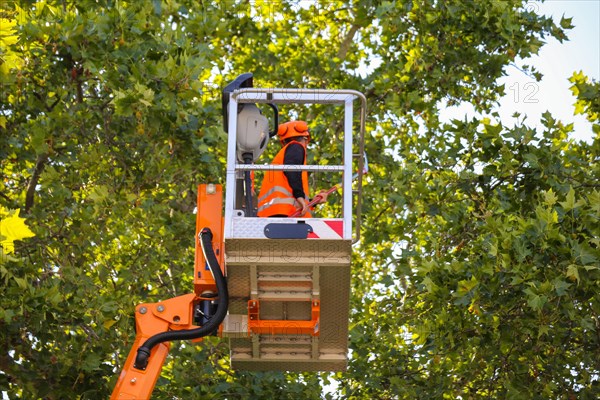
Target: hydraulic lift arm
<point>187,317</point>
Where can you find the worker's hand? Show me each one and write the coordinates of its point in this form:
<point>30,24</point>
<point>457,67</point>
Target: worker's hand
<point>302,204</point>
<point>322,196</point>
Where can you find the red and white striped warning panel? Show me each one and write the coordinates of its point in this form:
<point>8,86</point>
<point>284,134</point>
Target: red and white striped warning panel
<point>326,229</point>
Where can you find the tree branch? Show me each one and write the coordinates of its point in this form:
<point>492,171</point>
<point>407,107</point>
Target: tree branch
<point>347,41</point>
<point>48,108</point>
<point>37,172</point>
<point>5,196</point>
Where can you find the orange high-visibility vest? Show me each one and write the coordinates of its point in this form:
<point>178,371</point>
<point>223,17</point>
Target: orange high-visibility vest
<point>275,195</point>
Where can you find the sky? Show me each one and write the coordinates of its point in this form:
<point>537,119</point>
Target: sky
<point>557,62</point>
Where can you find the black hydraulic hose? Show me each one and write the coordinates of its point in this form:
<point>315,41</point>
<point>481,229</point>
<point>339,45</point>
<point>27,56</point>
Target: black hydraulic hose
<point>249,200</point>
<point>143,353</point>
<point>248,186</point>
<point>275,120</point>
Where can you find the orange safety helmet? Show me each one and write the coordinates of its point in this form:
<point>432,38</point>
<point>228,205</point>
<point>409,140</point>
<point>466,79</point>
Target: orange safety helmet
<point>293,129</point>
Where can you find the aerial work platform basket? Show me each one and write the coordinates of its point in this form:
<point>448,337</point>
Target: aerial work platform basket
<point>289,278</point>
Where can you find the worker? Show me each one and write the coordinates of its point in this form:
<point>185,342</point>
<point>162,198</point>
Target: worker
<point>284,192</point>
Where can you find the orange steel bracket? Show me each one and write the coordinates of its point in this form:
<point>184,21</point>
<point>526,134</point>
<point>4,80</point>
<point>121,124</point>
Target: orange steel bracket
<point>151,319</point>
<point>283,327</point>
<point>209,215</point>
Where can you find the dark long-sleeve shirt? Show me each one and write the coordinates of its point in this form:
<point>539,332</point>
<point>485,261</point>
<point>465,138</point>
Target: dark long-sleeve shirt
<point>294,155</point>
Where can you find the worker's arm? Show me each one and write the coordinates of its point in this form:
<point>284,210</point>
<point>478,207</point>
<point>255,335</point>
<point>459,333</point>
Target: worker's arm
<point>294,155</point>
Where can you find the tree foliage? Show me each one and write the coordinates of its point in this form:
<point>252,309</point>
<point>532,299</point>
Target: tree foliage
<point>478,270</point>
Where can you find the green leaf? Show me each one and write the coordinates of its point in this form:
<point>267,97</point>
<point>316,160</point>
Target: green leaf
<point>543,330</point>
<point>573,273</point>
<point>548,215</point>
<point>38,142</point>
<point>109,323</point>
<point>21,282</point>
<point>569,203</point>
<point>565,23</point>
<point>7,315</point>
<point>157,4</point>
<point>99,193</point>
<point>91,362</point>
<point>531,159</point>
<point>560,286</point>
<point>550,198</point>
<point>594,201</point>
<point>584,254</point>
<point>430,286</point>
<point>534,300</point>
<point>466,285</point>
